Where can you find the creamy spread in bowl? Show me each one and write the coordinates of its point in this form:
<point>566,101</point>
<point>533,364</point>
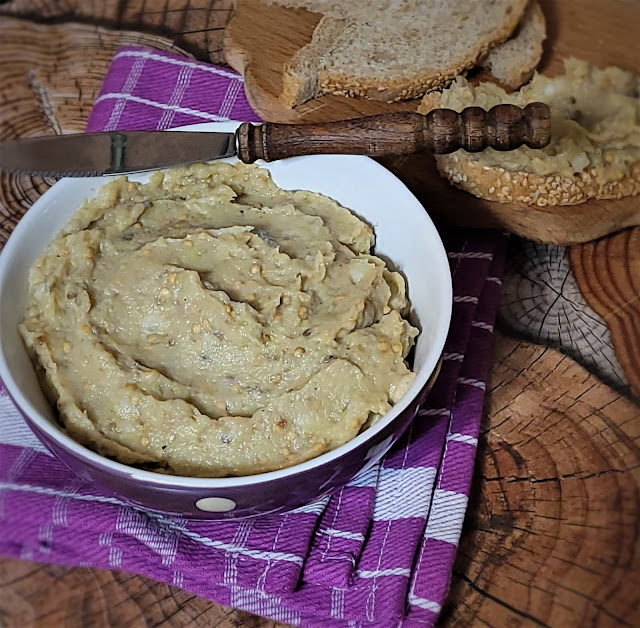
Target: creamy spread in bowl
<point>208,323</point>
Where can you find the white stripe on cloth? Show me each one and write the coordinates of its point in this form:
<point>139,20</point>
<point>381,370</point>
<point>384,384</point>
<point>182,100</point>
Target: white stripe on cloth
<point>190,64</point>
<point>157,538</point>
<point>446,516</point>
<point>315,508</point>
<point>262,579</point>
<point>230,98</point>
<point>434,412</point>
<point>227,547</point>
<point>19,464</point>
<point>453,357</point>
<point>14,430</point>
<point>421,602</point>
<point>465,299</point>
<point>494,280</point>
<point>469,255</point>
<point>129,85</point>
<point>462,438</point>
<point>472,382</point>
<point>115,556</point>
<point>179,89</point>
<point>377,573</point>
<point>194,536</point>
<point>337,603</point>
<point>383,503</point>
<point>59,512</point>
<point>264,605</point>
<point>327,548</point>
<point>403,493</point>
<point>230,576</point>
<point>178,579</point>
<point>105,539</point>
<point>343,534</point>
<point>115,553</point>
<point>45,537</point>
<point>152,103</point>
<point>481,325</point>
<point>367,478</point>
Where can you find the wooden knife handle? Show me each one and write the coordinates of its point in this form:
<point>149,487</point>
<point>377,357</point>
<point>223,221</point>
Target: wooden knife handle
<point>504,127</point>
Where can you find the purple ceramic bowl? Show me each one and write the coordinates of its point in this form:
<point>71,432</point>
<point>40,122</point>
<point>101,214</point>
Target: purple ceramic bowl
<point>404,234</point>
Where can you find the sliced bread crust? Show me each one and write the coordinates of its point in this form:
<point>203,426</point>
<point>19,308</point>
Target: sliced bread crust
<point>512,63</point>
<point>321,67</point>
<point>495,183</point>
<point>525,188</point>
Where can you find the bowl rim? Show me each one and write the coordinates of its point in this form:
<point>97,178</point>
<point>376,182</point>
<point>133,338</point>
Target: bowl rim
<point>31,414</point>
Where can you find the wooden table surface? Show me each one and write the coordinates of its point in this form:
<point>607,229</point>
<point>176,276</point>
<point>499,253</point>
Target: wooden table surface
<point>551,536</point>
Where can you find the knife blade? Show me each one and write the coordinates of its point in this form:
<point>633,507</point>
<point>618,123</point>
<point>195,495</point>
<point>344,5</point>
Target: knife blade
<point>504,127</point>
<point>95,154</point>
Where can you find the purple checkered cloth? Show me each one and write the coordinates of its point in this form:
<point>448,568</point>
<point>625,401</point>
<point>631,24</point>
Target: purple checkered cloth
<point>378,552</point>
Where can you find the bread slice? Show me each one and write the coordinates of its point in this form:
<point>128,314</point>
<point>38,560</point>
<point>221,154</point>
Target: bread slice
<point>394,49</point>
<point>354,9</point>
<point>594,150</point>
<point>513,63</point>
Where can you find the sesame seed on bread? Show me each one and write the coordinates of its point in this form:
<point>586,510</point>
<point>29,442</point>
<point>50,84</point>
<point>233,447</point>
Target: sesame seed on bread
<point>394,50</point>
<point>594,150</point>
<point>525,188</point>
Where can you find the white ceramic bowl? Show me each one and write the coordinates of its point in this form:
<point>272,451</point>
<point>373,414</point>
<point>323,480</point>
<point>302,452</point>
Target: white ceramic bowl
<point>404,234</point>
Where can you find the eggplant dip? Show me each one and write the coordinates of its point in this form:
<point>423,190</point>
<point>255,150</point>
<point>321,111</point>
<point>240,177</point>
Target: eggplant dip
<point>208,323</point>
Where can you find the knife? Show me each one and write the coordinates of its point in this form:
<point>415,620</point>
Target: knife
<point>504,127</point>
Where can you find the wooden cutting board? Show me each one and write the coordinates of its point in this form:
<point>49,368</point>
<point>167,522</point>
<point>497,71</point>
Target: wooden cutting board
<point>261,38</point>
<point>542,514</point>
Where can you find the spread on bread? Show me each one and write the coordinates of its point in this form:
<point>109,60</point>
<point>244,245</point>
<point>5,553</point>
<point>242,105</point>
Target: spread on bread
<point>594,150</point>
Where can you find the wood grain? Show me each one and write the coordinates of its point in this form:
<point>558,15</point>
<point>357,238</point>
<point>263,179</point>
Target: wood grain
<point>51,84</point>
<point>261,61</point>
<point>440,131</point>
<point>575,28</point>
<point>543,303</point>
<point>608,275</point>
<point>195,25</point>
<point>36,595</point>
<point>198,26</point>
<point>550,538</point>
<point>551,535</point>
<point>48,89</point>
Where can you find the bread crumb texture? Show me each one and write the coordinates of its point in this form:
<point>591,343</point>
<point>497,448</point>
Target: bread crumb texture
<point>512,63</point>
<point>411,47</point>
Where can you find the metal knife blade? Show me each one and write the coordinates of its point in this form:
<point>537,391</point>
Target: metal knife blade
<point>116,152</point>
<point>504,127</point>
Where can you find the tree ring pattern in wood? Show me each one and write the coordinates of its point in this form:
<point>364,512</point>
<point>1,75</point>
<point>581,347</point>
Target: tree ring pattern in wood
<point>542,303</point>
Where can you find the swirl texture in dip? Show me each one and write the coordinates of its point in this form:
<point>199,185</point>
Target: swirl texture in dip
<point>208,323</point>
